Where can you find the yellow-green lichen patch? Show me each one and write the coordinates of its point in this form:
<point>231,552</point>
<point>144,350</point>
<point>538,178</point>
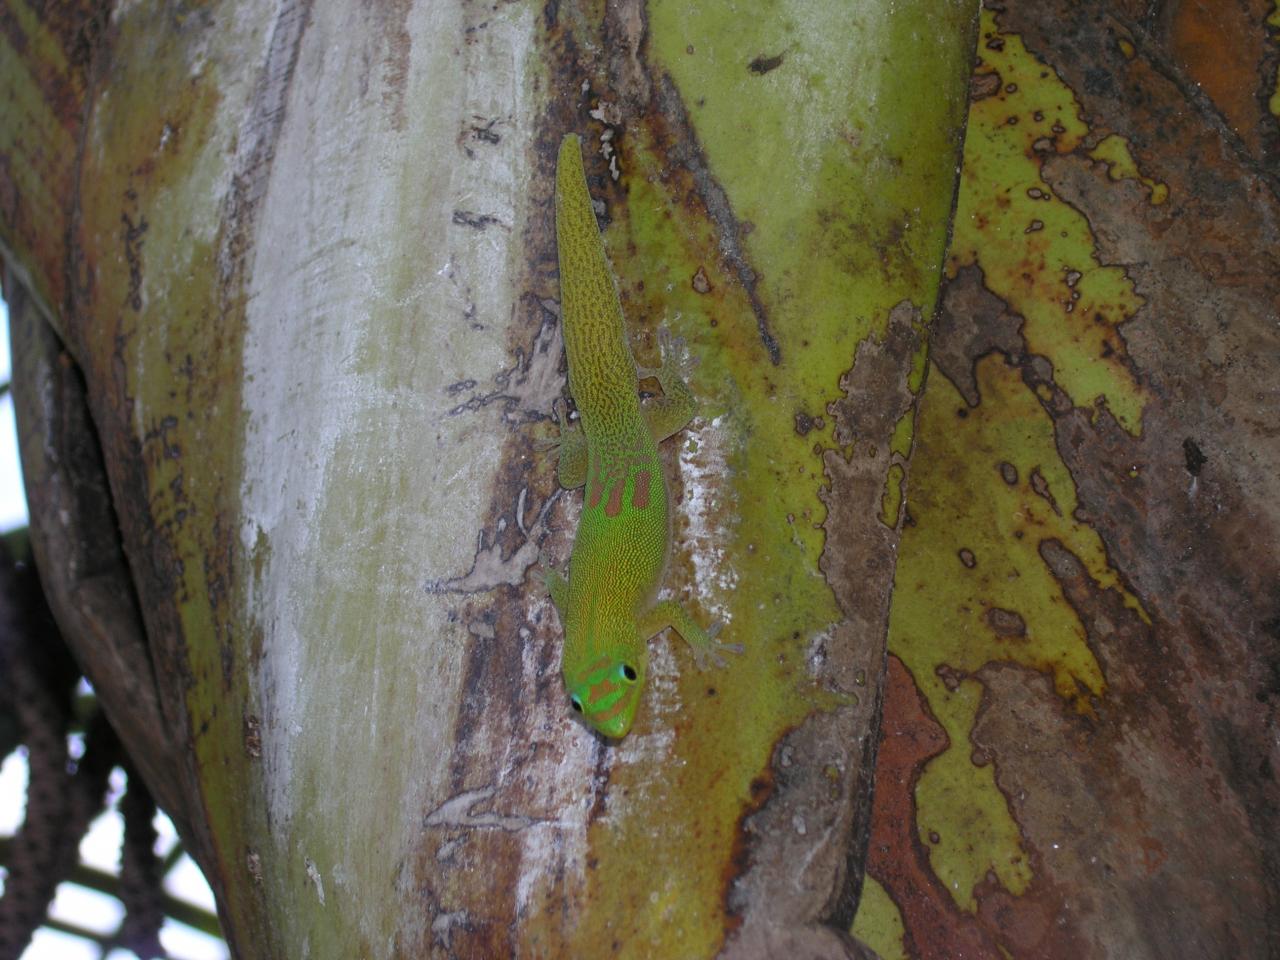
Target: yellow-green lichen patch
<point>878,923</point>
<point>865,196</point>
<point>971,589</point>
<point>891,502</point>
<point>1113,150</point>
<point>919,366</point>
<point>903,433</point>
<point>964,821</point>
<point>1036,251</point>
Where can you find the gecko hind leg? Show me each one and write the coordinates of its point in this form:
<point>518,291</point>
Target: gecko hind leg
<point>704,644</point>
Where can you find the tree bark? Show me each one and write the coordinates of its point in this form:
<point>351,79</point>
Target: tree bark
<point>1079,742</point>
<point>285,309</point>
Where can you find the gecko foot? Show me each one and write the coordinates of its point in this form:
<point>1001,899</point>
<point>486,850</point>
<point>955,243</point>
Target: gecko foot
<point>561,421</point>
<point>553,581</point>
<point>676,362</point>
<point>709,648</point>
<point>569,446</point>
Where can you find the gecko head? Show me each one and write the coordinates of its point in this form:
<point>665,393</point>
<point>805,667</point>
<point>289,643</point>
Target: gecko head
<point>607,693</point>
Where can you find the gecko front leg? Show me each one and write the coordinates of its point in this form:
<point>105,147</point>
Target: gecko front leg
<point>570,446</point>
<point>705,646</point>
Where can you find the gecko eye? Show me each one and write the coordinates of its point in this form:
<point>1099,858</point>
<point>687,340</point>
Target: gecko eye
<point>629,673</point>
<point>576,704</point>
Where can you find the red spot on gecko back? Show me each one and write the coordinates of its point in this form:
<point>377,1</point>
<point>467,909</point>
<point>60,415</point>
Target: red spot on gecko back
<point>640,498</point>
<point>597,491</point>
<point>614,506</point>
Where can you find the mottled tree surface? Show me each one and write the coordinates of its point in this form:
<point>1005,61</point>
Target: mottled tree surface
<point>1079,755</point>
<point>286,341</point>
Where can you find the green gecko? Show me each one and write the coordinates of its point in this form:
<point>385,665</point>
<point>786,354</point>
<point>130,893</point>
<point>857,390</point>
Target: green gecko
<point>607,606</point>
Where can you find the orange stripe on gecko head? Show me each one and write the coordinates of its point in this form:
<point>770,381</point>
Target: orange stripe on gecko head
<point>614,506</point>
<point>601,690</point>
<point>640,498</point>
<point>596,667</point>
<point>616,709</point>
